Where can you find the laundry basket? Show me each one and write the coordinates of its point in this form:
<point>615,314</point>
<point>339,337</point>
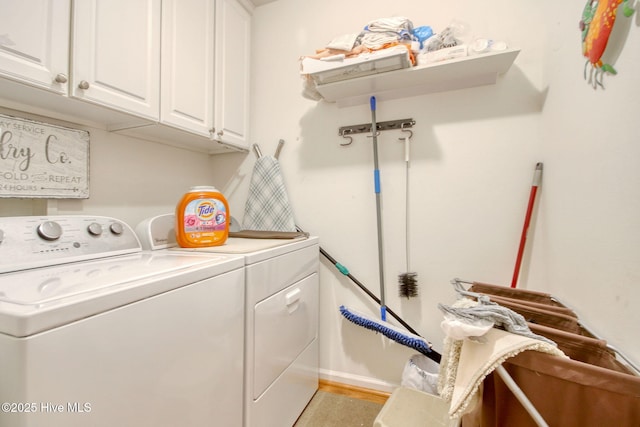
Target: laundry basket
<point>590,388</point>
<point>408,407</point>
<point>565,392</point>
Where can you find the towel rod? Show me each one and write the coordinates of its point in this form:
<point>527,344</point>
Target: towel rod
<point>345,131</point>
<point>522,398</point>
<point>626,359</point>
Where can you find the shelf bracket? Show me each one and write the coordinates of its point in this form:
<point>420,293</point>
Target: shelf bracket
<point>347,131</point>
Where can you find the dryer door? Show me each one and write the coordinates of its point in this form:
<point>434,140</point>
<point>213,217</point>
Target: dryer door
<point>285,324</point>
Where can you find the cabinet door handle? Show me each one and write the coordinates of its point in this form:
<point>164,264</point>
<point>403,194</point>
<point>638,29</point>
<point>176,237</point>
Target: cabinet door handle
<point>84,85</point>
<point>61,78</point>
<point>220,133</point>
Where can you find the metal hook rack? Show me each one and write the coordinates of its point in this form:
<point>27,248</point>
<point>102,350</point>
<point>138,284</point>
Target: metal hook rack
<point>404,128</point>
<point>347,131</point>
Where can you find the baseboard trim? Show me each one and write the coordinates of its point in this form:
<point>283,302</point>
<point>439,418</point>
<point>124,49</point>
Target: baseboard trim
<point>357,380</point>
<point>355,392</point>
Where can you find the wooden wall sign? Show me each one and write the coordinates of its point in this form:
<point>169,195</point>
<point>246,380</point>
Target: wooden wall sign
<point>39,160</point>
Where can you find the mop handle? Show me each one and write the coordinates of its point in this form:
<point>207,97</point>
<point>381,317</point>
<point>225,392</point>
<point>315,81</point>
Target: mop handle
<point>376,180</point>
<point>537,177</point>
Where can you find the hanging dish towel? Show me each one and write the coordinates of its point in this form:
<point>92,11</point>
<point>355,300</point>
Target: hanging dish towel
<point>476,360</point>
<point>268,207</point>
<point>471,352</point>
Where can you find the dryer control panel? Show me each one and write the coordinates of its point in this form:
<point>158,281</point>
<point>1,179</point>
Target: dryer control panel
<point>37,241</point>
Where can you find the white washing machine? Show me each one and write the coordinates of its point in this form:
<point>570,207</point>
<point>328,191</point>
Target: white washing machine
<point>96,332</point>
<point>281,318</point>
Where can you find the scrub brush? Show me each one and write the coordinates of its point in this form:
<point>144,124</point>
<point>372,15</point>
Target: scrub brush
<point>407,282</point>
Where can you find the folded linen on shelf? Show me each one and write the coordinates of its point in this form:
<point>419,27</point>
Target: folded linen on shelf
<point>383,31</point>
<point>345,42</point>
<point>384,44</point>
<point>388,59</point>
<point>394,24</point>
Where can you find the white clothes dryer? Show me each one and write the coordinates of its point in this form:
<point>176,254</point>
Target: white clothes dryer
<point>281,318</point>
<point>96,332</point>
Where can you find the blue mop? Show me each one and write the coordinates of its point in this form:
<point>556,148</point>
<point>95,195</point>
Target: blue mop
<point>411,338</point>
<point>390,331</point>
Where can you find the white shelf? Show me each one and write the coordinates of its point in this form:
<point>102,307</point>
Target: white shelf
<point>459,73</point>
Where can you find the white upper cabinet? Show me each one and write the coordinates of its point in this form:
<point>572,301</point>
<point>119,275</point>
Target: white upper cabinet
<point>34,43</point>
<point>204,85</point>
<point>233,26</point>
<point>172,71</point>
<point>187,76</point>
<point>116,54</point>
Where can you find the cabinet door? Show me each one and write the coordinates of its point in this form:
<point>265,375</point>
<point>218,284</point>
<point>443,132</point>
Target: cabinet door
<point>187,65</point>
<point>34,42</point>
<point>233,25</point>
<point>116,54</point>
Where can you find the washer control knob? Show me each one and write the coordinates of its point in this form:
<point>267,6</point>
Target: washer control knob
<point>116,228</point>
<point>94,229</point>
<point>50,230</point>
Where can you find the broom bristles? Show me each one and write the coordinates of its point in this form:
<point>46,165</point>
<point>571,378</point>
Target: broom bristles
<point>408,285</point>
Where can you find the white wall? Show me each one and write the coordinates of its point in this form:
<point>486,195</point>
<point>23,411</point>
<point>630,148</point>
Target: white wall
<point>130,179</point>
<point>589,233</point>
<point>473,156</point>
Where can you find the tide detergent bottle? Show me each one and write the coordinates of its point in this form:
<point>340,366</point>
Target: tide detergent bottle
<point>202,218</point>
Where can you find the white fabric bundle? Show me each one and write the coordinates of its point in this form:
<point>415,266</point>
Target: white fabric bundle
<point>394,24</point>
<point>386,30</point>
<point>344,42</point>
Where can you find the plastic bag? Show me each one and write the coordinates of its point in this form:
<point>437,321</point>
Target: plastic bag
<point>422,33</point>
<point>421,373</point>
<point>456,33</point>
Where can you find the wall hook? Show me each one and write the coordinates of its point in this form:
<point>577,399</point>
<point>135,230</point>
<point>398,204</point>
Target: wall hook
<point>403,129</point>
<point>346,131</point>
<point>345,135</point>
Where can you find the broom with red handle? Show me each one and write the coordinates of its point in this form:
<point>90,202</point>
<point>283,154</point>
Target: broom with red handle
<point>537,177</point>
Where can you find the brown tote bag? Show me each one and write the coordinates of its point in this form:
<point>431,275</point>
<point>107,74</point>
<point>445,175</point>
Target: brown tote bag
<point>566,393</point>
<point>591,389</point>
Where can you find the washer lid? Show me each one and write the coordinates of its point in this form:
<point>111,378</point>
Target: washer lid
<point>37,299</point>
